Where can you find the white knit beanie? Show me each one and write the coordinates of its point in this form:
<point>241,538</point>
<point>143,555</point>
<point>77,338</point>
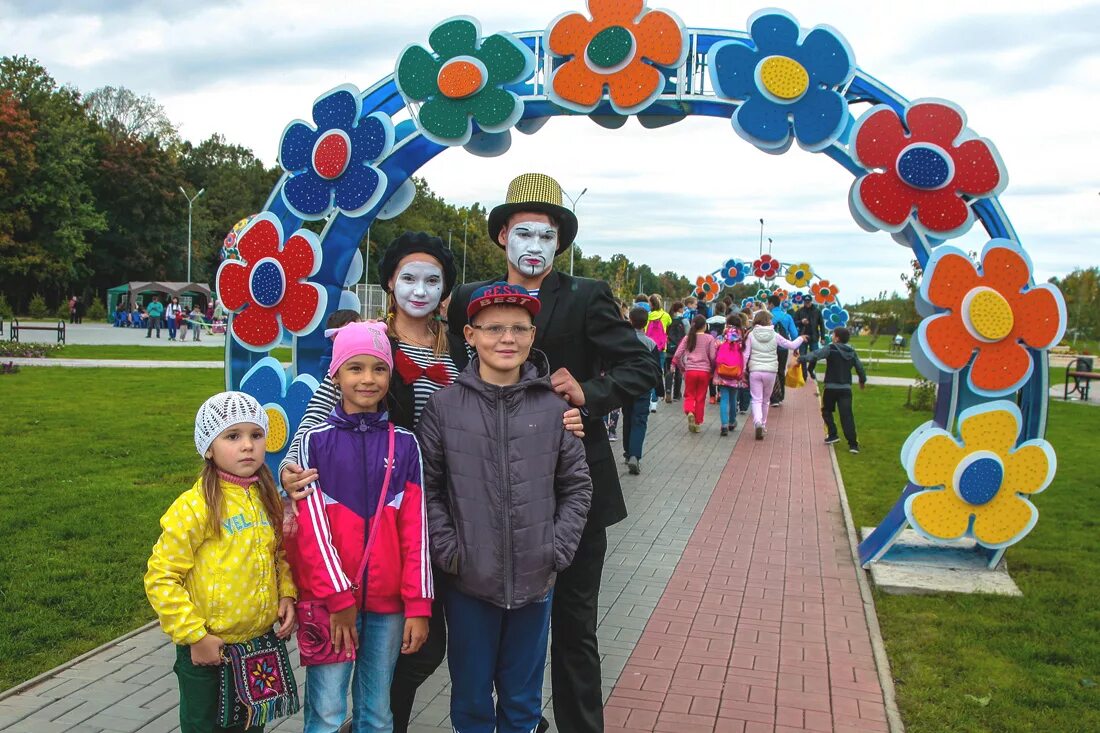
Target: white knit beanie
<point>224,410</point>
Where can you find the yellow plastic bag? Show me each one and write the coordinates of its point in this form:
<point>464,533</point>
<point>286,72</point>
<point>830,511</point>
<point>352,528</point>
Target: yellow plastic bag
<point>794,375</point>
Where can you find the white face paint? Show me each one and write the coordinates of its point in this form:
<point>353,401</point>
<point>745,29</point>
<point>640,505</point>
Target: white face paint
<point>417,288</point>
<point>531,247</point>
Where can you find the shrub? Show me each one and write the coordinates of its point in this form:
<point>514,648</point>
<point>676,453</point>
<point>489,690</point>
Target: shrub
<point>6,311</point>
<point>62,311</point>
<point>38,309</point>
<point>96,311</point>
<point>922,396</point>
<point>28,349</point>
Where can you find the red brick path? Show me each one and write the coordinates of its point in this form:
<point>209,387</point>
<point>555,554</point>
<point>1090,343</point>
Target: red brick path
<point>761,627</point>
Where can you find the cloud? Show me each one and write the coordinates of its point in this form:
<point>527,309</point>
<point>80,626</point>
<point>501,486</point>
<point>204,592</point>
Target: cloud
<point>28,9</point>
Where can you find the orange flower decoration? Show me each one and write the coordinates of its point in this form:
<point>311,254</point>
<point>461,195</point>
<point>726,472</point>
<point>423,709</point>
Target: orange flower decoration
<point>992,310</point>
<point>824,291</point>
<point>706,288</point>
<point>611,50</point>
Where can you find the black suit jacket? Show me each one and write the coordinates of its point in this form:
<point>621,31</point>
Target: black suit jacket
<point>579,328</point>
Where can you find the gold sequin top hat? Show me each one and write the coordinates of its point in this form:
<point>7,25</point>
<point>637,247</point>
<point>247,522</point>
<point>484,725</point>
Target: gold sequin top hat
<point>540,193</point>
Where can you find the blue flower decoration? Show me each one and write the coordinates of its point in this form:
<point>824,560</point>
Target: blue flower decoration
<point>330,164</point>
<point>734,272</point>
<point>833,316</point>
<point>285,404</point>
<point>784,78</point>
<point>746,302</point>
<point>798,298</point>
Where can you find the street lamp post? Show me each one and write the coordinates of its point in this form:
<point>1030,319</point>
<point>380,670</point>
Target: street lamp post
<point>761,251</point>
<point>769,245</point>
<point>573,202</point>
<point>465,234</point>
<point>190,204</point>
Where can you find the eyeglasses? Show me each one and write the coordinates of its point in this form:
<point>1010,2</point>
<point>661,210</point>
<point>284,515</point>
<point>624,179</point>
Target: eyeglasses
<point>497,331</point>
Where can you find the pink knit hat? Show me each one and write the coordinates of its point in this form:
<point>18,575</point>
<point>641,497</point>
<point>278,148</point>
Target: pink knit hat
<point>357,339</point>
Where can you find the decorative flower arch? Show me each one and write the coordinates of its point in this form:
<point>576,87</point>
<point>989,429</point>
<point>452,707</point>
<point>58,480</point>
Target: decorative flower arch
<point>920,174</point>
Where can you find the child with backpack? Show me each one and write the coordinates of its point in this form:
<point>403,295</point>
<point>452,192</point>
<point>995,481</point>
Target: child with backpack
<point>729,371</point>
<point>635,417</point>
<point>677,330</point>
<point>657,330</point>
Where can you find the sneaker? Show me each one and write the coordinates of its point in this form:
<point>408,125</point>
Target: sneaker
<point>714,400</point>
<point>759,432</point>
<point>725,430</point>
<point>732,427</point>
<point>692,427</point>
<point>668,399</point>
<point>652,407</point>
<point>775,404</point>
<point>611,436</point>
<point>853,449</point>
<point>633,466</point>
<point>832,440</point>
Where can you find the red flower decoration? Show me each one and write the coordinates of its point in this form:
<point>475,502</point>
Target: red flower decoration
<point>267,289</point>
<point>766,267</point>
<point>824,291</point>
<point>994,311</point>
<point>926,168</point>
<point>612,49</point>
<point>706,288</point>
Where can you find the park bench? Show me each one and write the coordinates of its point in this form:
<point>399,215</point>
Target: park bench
<point>1081,374</point>
<point>59,329</point>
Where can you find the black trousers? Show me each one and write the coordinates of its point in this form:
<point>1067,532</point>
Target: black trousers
<point>841,400</point>
<point>674,379</point>
<point>779,391</point>
<point>413,669</point>
<point>574,650</point>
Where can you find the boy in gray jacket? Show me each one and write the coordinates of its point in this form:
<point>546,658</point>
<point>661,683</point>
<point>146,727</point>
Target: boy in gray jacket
<point>508,492</point>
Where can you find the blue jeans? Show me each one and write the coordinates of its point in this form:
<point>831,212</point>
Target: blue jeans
<point>727,406</point>
<point>637,420</point>
<point>370,675</point>
<point>487,647</point>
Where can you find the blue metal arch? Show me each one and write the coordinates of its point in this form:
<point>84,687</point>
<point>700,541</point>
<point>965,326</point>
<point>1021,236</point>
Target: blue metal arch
<point>687,92</point>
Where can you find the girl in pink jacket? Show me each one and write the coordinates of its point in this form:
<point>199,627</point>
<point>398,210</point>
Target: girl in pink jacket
<point>695,358</point>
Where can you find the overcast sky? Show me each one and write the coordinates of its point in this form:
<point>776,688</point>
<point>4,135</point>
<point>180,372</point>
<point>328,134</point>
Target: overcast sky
<point>682,198</point>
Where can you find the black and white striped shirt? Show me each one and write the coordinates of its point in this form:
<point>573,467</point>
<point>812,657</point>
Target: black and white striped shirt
<point>325,398</point>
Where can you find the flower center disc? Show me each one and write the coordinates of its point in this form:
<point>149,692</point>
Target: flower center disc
<point>277,430</point>
<point>267,283</point>
<point>784,78</point>
<point>988,316</point>
<point>459,79</point>
<point>979,478</point>
<point>925,167</point>
<point>331,154</point>
<point>610,47</point>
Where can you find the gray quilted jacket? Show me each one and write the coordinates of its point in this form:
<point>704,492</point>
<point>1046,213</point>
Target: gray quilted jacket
<point>507,487</point>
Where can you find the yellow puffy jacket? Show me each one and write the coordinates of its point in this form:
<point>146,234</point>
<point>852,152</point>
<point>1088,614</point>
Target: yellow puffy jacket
<point>228,585</point>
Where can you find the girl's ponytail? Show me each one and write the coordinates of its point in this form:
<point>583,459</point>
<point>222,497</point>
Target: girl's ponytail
<point>697,325</point>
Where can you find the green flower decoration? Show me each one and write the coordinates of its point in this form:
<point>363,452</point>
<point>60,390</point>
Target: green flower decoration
<point>463,82</point>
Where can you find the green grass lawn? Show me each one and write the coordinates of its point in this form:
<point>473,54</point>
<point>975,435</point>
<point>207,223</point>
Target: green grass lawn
<point>153,353</point>
<point>1033,661</point>
<point>92,458</point>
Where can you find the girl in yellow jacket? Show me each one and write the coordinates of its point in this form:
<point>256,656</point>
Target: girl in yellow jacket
<point>218,574</point>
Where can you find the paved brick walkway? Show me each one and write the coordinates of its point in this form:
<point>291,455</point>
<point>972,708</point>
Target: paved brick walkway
<point>762,625</point>
<point>717,596</point>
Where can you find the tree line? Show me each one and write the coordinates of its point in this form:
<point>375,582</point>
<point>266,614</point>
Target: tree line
<point>90,198</point>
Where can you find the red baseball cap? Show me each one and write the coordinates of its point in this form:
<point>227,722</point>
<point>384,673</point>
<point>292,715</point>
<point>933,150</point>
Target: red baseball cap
<point>501,293</point>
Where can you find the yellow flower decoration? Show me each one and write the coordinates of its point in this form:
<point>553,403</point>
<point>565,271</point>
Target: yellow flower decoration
<point>977,485</point>
<point>799,275</point>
